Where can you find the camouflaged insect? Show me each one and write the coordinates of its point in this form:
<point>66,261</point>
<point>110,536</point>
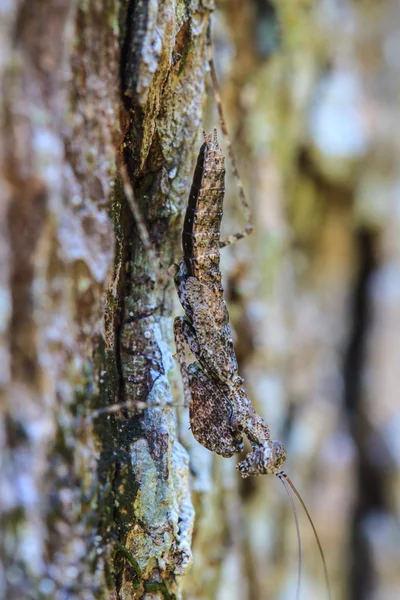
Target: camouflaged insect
<point>220,410</point>
<point>211,414</point>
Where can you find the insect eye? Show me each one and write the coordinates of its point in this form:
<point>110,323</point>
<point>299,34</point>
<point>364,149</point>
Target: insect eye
<point>240,427</point>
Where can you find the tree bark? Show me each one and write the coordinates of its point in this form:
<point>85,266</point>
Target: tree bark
<point>93,504</point>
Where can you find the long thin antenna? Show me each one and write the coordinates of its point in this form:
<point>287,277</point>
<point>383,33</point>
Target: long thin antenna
<point>144,235</point>
<point>130,404</point>
<point>283,474</point>
<point>246,208</point>
<point>133,205</point>
<point>289,493</point>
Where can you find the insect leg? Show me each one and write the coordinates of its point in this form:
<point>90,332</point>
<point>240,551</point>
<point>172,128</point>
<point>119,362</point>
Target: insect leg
<point>140,223</point>
<point>184,334</point>
<point>128,405</point>
<point>242,196</point>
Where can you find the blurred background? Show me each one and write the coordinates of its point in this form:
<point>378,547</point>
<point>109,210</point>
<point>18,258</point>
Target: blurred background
<point>311,95</point>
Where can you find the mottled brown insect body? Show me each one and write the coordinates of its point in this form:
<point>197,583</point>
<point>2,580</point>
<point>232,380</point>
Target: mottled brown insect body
<point>212,419</point>
<point>201,229</point>
<point>219,407</point>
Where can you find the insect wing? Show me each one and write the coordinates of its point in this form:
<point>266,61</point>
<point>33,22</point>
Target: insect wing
<point>211,416</point>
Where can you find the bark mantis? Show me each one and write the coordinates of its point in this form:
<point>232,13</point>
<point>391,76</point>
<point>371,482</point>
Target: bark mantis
<point>220,410</point>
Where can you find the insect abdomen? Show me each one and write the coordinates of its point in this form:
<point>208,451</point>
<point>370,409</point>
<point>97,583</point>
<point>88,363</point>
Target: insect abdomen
<point>201,230</point>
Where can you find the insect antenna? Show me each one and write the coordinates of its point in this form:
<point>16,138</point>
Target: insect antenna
<point>246,208</point>
<point>281,475</point>
<point>290,496</point>
<point>161,277</point>
<point>140,224</point>
<point>129,404</point>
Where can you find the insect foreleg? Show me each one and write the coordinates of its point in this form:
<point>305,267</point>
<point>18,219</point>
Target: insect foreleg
<point>213,353</point>
<point>184,334</point>
<point>204,342</point>
<point>208,334</point>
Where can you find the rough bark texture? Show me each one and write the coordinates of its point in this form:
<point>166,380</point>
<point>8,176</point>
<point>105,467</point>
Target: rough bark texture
<point>93,506</point>
<point>99,505</point>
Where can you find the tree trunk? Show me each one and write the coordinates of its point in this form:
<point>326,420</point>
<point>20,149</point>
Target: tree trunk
<point>95,94</point>
<point>93,504</point>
